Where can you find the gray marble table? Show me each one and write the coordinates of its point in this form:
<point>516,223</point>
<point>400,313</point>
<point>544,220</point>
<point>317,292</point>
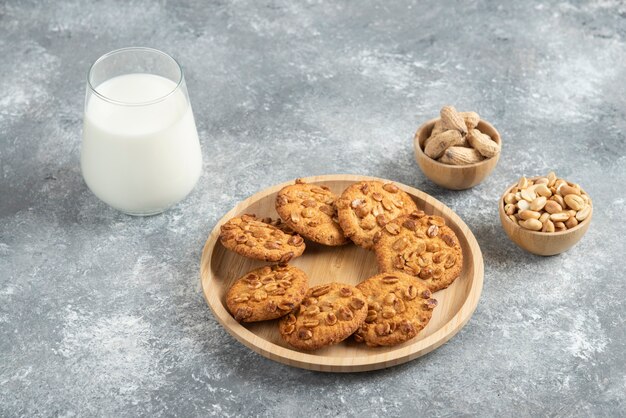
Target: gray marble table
<point>102,313</point>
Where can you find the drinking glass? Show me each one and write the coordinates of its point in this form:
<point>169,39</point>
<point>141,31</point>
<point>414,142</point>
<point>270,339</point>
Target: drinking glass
<point>140,152</point>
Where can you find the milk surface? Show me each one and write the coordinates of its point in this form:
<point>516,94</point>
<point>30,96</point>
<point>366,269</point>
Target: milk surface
<point>138,158</point>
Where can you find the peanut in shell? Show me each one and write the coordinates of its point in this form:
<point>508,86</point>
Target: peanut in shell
<point>483,143</point>
<point>451,119</point>
<point>439,143</point>
<point>460,156</point>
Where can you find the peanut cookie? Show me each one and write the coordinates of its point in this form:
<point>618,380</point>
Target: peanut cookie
<point>399,307</point>
<point>252,238</point>
<point>266,293</point>
<point>310,210</point>
<point>422,246</point>
<point>329,313</point>
<point>364,209</point>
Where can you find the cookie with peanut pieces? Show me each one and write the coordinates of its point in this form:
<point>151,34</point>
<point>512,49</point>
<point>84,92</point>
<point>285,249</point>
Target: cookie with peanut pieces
<point>328,314</point>
<point>422,246</point>
<point>399,307</point>
<point>364,209</point>
<point>309,209</point>
<point>266,293</point>
<point>252,238</point>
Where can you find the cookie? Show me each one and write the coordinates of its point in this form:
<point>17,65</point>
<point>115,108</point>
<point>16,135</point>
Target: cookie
<point>421,246</point>
<point>399,307</point>
<point>252,238</point>
<point>329,313</point>
<point>266,293</point>
<point>310,210</point>
<point>364,209</point>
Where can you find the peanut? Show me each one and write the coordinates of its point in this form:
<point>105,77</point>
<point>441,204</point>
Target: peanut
<point>566,189</point>
<point>558,199</point>
<point>523,183</point>
<point>574,201</point>
<point>471,119</point>
<point>523,205</point>
<point>529,214</point>
<point>460,156</point>
<point>438,144</point>
<point>437,128</point>
<point>483,143</point>
<point>548,226</point>
<point>558,183</point>
<point>543,190</point>
<point>509,198</point>
<point>582,214</point>
<point>451,119</point>
<point>538,203</point>
<point>571,222</point>
<point>532,224</point>
<point>559,217</point>
<point>551,178</point>
<point>552,206</point>
<point>529,194</point>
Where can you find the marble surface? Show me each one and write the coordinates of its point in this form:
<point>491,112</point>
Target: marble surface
<point>102,314</point>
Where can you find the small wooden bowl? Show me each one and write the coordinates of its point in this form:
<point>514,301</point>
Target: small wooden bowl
<point>542,243</point>
<point>455,177</point>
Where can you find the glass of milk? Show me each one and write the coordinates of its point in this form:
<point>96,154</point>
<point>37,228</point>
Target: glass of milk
<point>140,152</point>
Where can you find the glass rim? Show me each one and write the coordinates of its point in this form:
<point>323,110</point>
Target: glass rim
<point>93,89</point>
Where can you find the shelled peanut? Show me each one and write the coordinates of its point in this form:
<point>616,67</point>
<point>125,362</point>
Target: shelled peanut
<point>547,204</point>
<point>456,140</point>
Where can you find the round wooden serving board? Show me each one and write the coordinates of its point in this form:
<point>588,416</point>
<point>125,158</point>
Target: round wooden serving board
<point>348,264</point>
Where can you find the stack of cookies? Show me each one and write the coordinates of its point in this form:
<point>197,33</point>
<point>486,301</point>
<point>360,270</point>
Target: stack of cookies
<point>417,255</point>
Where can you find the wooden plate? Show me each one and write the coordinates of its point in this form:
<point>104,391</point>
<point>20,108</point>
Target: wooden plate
<point>349,264</point>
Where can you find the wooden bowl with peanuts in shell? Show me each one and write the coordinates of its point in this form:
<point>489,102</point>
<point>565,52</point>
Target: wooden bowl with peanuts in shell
<point>458,150</point>
<point>545,215</point>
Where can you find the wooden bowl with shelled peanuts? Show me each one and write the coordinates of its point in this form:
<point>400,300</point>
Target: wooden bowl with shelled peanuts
<point>470,168</point>
<point>542,242</point>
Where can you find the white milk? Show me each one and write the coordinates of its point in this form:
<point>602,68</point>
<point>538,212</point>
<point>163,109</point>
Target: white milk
<point>140,159</point>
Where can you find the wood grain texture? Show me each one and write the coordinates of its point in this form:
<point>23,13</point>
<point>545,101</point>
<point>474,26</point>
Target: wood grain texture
<point>455,177</point>
<point>348,264</point>
<point>542,243</point>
